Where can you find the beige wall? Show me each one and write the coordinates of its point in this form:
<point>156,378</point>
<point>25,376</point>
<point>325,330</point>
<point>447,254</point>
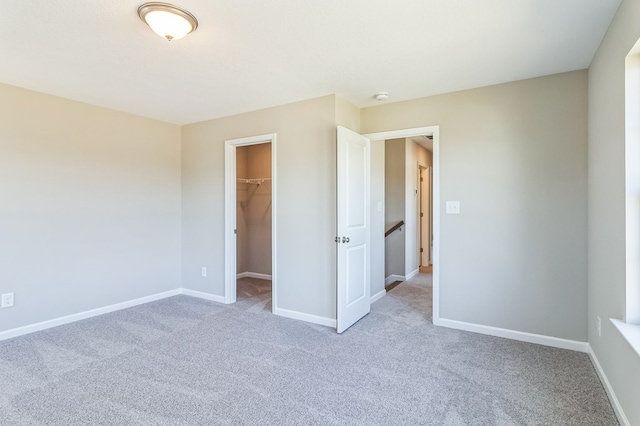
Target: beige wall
<point>347,114</point>
<point>254,209</point>
<point>607,255</point>
<point>515,156</point>
<point>305,195</point>
<point>395,206</point>
<point>90,206</point>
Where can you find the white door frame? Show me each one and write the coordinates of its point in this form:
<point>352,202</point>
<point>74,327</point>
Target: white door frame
<point>230,261</point>
<point>409,133</point>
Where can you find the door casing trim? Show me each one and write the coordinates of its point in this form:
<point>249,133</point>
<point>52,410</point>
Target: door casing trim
<point>420,131</point>
<point>230,260</point>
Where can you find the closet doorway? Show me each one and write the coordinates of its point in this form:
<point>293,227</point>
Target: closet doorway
<point>250,217</point>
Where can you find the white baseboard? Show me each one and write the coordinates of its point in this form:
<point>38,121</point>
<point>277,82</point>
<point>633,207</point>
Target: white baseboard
<point>393,278</point>
<point>202,295</point>
<point>412,274</point>
<point>305,317</point>
<point>617,408</point>
<point>15,332</point>
<point>522,336</point>
<point>253,275</point>
<point>378,296</point>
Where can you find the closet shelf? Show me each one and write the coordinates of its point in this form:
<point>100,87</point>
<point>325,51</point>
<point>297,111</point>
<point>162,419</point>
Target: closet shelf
<point>256,181</point>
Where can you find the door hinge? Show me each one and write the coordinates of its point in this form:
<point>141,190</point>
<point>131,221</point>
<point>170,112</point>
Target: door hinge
<point>421,214</point>
<point>421,250</point>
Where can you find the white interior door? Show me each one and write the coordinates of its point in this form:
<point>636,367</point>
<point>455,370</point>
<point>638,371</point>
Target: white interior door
<point>353,240</point>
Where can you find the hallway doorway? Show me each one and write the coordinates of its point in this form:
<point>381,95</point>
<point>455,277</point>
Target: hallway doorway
<point>378,203</point>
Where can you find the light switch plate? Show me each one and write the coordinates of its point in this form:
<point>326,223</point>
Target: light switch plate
<point>453,207</point>
<point>7,300</point>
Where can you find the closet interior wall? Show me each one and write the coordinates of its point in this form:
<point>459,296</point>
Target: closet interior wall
<point>253,221</point>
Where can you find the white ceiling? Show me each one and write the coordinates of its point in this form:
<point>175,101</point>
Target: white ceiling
<point>252,54</point>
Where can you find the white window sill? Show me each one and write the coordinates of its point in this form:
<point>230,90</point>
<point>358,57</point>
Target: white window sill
<point>630,332</point>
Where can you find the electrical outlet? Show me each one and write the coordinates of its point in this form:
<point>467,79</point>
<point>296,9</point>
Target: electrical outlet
<point>452,207</point>
<point>599,327</point>
<point>7,300</point>
<point>204,271</point>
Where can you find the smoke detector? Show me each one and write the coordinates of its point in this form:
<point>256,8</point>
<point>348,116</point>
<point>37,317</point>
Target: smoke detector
<point>381,96</point>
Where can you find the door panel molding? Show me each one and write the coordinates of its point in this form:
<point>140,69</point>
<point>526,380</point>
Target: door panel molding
<point>353,227</point>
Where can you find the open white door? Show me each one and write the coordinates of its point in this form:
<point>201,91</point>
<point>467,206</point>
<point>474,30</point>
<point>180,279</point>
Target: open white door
<point>352,241</point>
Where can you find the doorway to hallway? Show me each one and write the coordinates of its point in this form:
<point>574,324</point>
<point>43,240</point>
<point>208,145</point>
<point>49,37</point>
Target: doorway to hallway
<point>411,191</point>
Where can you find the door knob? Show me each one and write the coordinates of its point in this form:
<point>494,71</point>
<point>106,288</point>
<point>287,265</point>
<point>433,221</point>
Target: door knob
<point>345,239</point>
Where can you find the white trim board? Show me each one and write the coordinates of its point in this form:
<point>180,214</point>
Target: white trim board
<point>39,326</point>
<point>202,295</point>
<point>630,332</point>
<point>393,278</point>
<point>617,408</point>
<point>522,336</point>
<point>379,295</point>
<point>253,275</point>
<point>412,274</point>
<point>43,325</point>
<point>305,317</point>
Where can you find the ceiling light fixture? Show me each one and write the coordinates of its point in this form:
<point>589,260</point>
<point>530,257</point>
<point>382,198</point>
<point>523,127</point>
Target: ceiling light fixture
<point>381,96</point>
<point>167,20</point>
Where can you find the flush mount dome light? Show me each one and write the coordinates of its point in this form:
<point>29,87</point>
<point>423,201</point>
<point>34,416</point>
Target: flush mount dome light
<point>167,20</point>
<point>381,96</point>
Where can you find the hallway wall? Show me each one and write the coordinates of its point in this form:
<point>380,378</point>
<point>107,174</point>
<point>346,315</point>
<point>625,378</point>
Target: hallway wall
<point>395,205</point>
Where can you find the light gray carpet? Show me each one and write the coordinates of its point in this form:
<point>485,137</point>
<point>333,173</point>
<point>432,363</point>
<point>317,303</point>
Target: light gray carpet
<point>185,361</point>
